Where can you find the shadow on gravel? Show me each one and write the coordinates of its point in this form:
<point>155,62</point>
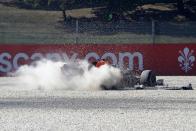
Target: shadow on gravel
<point>98,103</point>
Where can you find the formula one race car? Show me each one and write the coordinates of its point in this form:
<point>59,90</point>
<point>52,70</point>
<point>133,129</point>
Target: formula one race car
<point>130,80</point>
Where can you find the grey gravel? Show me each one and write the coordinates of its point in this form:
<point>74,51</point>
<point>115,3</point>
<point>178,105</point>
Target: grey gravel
<point>145,110</point>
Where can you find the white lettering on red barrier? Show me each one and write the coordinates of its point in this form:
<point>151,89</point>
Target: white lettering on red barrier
<point>5,64</point>
<point>10,62</point>
<point>186,59</point>
<point>18,57</point>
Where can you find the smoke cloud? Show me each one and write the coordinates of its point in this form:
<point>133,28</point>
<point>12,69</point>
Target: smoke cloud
<point>49,75</point>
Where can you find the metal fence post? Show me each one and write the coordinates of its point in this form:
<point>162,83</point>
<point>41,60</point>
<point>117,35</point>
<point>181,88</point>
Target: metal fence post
<point>77,31</point>
<point>153,31</point>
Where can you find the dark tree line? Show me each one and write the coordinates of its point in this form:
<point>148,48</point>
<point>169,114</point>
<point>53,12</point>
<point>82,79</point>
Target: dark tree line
<point>112,6</point>
<point>116,5</point>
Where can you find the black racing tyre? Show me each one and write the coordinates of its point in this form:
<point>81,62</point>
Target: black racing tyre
<point>148,78</point>
<point>103,87</point>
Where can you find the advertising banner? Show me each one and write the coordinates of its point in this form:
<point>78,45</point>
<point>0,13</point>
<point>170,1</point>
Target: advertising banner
<point>164,59</point>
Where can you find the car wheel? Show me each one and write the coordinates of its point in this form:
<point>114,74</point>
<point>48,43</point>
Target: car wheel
<point>148,78</point>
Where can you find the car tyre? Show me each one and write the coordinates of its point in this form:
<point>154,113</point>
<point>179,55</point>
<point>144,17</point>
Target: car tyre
<point>148,78</point>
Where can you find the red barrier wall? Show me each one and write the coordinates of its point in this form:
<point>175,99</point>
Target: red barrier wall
<point>164,59</point>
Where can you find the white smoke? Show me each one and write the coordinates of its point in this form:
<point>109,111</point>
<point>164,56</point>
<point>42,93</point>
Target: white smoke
<point>48,75</point>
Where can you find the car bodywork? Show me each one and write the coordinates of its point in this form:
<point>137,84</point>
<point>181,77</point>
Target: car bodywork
<point>129,81</point>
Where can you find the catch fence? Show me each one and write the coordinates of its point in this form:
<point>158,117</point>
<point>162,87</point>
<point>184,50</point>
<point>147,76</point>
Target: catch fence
<point>96,32</point>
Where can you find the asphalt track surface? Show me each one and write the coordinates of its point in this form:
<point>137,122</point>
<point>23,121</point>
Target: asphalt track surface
<point>138,110</point>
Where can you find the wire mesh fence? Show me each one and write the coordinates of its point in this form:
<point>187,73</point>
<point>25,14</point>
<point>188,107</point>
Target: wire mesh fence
<point>96,32</point>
